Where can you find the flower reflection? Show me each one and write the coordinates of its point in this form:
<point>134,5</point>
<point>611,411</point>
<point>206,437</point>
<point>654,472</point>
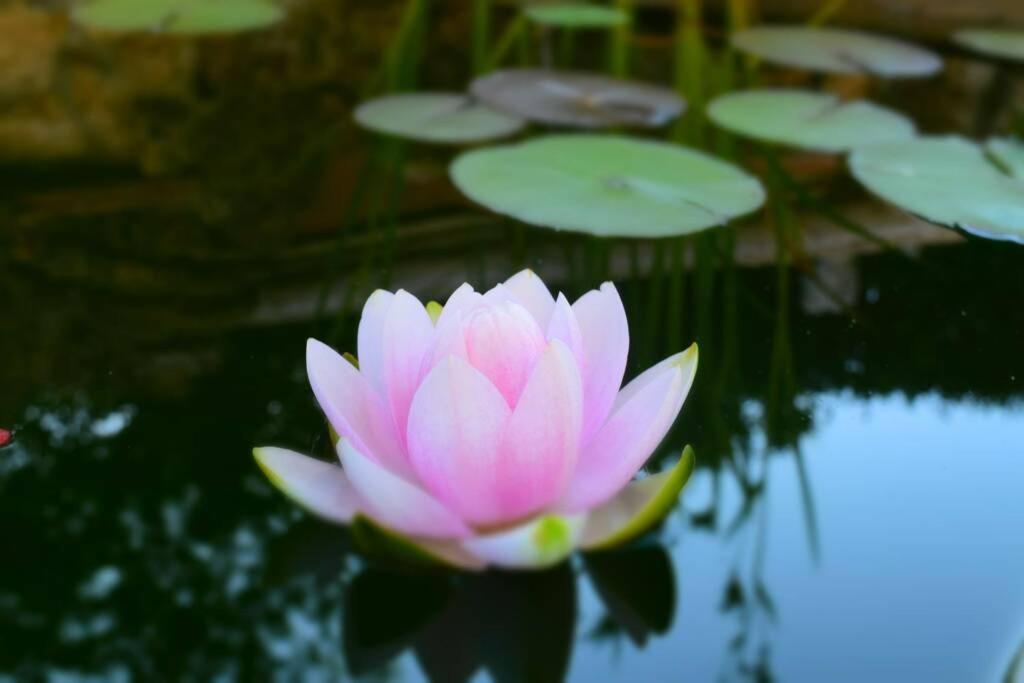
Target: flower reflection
<point>516,627</point>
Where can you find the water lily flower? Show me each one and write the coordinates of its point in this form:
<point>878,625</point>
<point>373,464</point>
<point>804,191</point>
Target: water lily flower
<point>492,431</point>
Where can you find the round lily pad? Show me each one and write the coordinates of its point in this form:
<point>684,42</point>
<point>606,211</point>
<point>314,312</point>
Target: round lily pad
<point>946,180</point>
<point>607,185</point>
<point>1001,43</point>
<point>1008,153</point>
<point>808,120</point>
<point>577,16</point>
<point>187,17</point>
<point>835,50</point>
<point>435,117</point>
<point>571,98</point>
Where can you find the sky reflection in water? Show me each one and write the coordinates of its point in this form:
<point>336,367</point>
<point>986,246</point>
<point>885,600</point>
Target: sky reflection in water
<point>919,575</point>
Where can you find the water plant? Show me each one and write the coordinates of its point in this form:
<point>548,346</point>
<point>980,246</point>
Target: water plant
<point>1000,43</point>
<point>491,431</point>
<point>834,50</point>
<point>808,120</point>
<point>607,185</point>
<point>951,181</point>
<point>180,17</point>
<point>577,99</point>
<point>446,118</point>
<point>576,15</point>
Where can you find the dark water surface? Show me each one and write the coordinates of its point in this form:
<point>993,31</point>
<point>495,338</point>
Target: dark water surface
<point>856,514</point>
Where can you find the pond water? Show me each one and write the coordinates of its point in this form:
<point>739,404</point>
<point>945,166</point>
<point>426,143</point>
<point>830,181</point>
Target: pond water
<point>858,419</point>
<point>879,540</point>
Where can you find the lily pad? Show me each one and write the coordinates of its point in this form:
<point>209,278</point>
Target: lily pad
<point>946,180</point>
<point>577,16</point>
<point>808,120</point>
<point>607,185</point>
<point>573,98</point>
<point>834,50</point>
<point>1000,43</point>
<point>450,118</point>
<point>1008,153</point>
<point>186,17</point>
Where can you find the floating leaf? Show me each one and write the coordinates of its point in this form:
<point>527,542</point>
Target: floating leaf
<point>187,17</point>
<point>607,185</point>
<point>577,16</point>
<point>946,180</point>
<point>1001,43</point>
<point>809,120</point>
<point>571,98</point>
<point>1009,153</point>
<point>836,51</point>
<point>435,117</point>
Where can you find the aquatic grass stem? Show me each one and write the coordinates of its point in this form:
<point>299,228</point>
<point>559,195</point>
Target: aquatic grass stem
<point>676,290</point>
<point>621,37</point>
<point>514,33</point>
<point>689,65</point>
<point>826,11</point>
<point>402,58</point>
<point>481,35</point>
<point>566,48</point>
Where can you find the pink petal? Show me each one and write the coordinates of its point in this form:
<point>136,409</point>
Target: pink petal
<point>456,423</point>
<point>320,487</point>
<point>530,292</point>
<point>503,342</point>
<point>539,543</point>
<point>461,299</point>
<point>395,503</point>
<point>352,407</point>
<point>633,432</point>
<point>407,337</point>
<point>541,442</point>
<point>605,332</point>
<point>564,327</point>
<point>369,347</point>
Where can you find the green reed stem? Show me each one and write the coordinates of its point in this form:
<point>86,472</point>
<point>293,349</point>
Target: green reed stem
<point>515,33</point>
<point>689,69</point>
<point>676,292</point>
<point>481,35</point>
<point>621,37</point>
<point>654,310</point>
<point>566,48</point>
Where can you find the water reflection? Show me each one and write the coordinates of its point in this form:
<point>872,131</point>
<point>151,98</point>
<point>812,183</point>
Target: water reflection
<point>884,515</point>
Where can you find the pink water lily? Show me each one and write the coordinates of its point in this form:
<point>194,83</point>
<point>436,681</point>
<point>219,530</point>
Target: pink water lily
<point>492,431</point>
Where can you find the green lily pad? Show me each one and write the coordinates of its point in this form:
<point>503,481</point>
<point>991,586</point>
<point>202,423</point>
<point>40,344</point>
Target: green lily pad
<point>1001,43</point>
<point>579,99</point>
<point>607,185</point>
<point>577,16</point>
<point>946,180</point>
<point>435,117</point>
<point>186,17</point>
<point>638,507</point>
<point>1008,153</point>
<point>834,50</point>
<point>809,120</point>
